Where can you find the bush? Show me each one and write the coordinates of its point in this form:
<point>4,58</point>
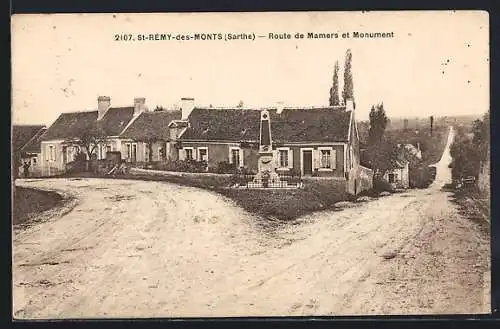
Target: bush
<point>421,176</point>
<point>181,166</point>
<point>381,185</point>
<point>225,167</point>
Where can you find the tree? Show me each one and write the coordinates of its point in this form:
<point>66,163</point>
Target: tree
<point>334,91</point>
<point>405,124</point>
<point>481,136</point>
<point>432,123</point>
<point>465,157</point>
<point>378,123</point>
<point>348,92</point>
<point>380,151</point>
<point>89,140</point>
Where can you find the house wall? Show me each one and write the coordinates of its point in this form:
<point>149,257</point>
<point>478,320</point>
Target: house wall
<point>338,171</point>
<point>52,166</point>
<point>359,178</point>
<point>402,179</point>
<point>218,152</point>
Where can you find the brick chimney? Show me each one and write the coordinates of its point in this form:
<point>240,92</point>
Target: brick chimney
<point>187,106</point>
<point>103,104</point>
<point>139,105</point>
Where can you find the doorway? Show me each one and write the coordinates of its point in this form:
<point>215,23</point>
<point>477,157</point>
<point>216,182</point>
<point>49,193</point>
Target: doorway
<point>307,162</point>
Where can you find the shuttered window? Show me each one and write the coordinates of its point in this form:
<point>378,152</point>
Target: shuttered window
<point>327,158</point>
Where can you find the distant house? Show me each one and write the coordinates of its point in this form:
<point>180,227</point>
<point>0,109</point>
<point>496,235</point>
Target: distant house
<point>26,146</point>
<point>320,142</point>
<point>150,136</point>
<point>412,150</point>
<point>60,143</point>
<point>398,174</point>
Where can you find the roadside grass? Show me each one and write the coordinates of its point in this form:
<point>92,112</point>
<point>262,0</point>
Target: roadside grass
<point>287,205</point>
<point>473,205</point>
<point>28,201</point>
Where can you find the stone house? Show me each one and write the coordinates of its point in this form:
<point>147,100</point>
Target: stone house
<point>316,142</point>
<point>26,147</point>
<point>110,125</point>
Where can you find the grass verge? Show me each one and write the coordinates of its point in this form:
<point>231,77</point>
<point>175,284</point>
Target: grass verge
<point>475,206</point>
<point>28,201</point>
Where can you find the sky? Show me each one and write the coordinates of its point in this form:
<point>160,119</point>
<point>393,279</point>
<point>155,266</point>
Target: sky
<point>437,63</point>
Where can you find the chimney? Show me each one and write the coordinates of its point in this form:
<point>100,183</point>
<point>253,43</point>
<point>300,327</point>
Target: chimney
<point>187,106</point>
<point>279,107</point>
<point>349,104</point>
<point>103,104</point>
<point>139,105</point>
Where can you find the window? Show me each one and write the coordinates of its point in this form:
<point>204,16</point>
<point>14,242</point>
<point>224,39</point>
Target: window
<point>131,151</point>
<point>52,153</point>
<point>202,154</point>
<point>283,158</point>
<point>327,158</point>
<point>160,153</point>
<point>236,156</point>
<point>189,154</point>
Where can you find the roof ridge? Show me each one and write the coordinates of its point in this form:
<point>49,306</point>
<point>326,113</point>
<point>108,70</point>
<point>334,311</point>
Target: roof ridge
<point>134,118</point>
<point>35,136</point>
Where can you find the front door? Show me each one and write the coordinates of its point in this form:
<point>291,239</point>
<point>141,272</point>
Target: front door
<point>65,154</point>
<point>134,153</point>
<point>203,156</point>
<point>307,162</point>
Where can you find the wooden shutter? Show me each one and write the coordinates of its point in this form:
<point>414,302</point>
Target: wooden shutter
<point>333,159</point>
<point>316,154</point>
<point>290,159</point>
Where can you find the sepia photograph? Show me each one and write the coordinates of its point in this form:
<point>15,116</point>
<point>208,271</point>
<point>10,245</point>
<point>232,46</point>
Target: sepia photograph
<point>241,164</point>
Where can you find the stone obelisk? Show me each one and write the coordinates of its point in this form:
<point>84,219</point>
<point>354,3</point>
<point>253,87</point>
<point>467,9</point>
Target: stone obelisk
<point>266,164</point>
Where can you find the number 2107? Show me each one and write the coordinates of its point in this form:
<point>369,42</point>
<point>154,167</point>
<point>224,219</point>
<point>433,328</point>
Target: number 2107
<point>123,37</point>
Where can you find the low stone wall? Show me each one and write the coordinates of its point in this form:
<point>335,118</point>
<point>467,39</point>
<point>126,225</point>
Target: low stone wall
<point>174,173</point>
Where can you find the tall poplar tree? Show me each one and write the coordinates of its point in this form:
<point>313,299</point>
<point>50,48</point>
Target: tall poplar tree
<point>348,92</point>
<point>334,91</point>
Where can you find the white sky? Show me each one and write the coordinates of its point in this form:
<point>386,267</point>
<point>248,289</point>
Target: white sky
<point>61,63</point>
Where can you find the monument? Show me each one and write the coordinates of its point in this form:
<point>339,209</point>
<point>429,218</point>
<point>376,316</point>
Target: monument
<point>266,175</point>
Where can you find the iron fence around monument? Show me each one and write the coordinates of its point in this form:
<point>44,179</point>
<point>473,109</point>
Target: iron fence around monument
<point>285,180</point>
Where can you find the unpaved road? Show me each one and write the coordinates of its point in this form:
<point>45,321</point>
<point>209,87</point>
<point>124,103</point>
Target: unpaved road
<point>149,249</point>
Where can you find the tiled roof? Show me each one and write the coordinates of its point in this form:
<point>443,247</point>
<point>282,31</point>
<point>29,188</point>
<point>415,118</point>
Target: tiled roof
<point>116,119</point>
<point>34,144</point>
<point>291,125</point>
<point>151,125</point>
<point>69,125</point>
<point>22,134</point>
<point>74,124</point>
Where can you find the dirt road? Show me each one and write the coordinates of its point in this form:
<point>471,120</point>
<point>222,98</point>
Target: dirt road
<point>148,249</point>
